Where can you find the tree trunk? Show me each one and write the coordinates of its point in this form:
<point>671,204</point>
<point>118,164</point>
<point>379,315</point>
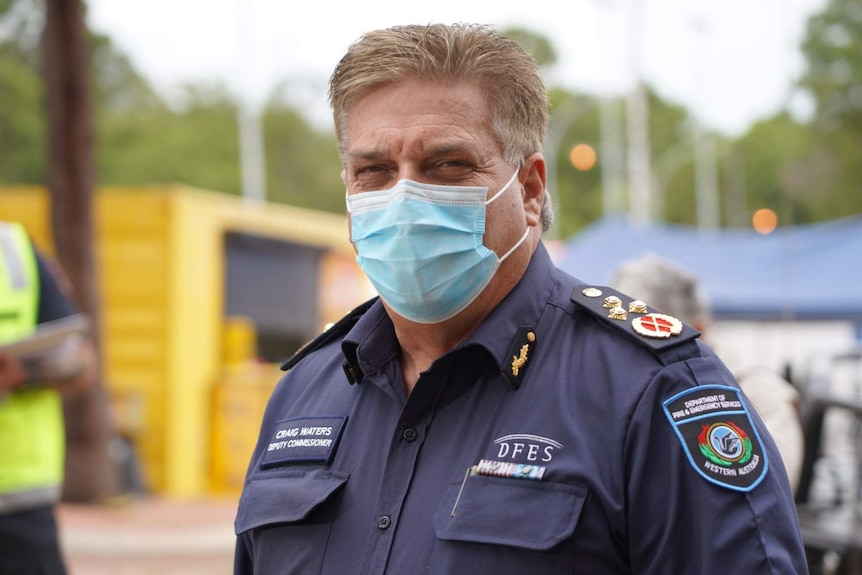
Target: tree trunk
<point>90,473</point>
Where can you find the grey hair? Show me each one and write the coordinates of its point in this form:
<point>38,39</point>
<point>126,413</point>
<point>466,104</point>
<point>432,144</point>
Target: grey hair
<point>507,75</point>
<point>665,286</point>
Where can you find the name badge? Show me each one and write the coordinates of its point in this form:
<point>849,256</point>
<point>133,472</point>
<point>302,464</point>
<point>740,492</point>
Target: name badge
<point>304,440</point>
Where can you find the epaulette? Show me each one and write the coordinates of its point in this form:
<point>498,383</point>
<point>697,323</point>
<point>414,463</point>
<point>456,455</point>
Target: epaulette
<point>331,333</point>
<point>633,318</point>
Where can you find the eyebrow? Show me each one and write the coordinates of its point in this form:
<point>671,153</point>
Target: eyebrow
<point>438,151</point>
<point>370,155</point>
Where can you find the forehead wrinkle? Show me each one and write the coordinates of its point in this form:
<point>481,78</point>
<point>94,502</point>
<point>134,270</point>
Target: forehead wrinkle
<point>434,150</point>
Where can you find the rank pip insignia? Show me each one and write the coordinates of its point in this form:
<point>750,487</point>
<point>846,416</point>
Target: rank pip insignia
<point>612,301</point>
<point>617,313</point>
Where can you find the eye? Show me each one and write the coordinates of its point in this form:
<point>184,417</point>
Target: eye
<point>371,177</point>
<point>451,169</point>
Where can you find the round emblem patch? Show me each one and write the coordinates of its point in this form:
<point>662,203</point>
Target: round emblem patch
<point>657,325</point>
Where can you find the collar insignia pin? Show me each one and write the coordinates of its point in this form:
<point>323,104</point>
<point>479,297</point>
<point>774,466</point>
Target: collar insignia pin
<point>518,361</point>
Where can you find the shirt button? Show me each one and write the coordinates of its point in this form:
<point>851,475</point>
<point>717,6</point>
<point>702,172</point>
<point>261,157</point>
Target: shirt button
<point>383,522</point>
<point>409,434</point>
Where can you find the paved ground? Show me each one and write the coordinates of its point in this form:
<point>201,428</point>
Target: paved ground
<point>149,536</point>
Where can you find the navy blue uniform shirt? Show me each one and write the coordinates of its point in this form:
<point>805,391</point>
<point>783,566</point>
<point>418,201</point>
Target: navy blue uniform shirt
<point>550,441</point>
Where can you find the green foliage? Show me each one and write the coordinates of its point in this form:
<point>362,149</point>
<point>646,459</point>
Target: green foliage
<point>806,171</point>
<point>672,159</point>
<point>826,184</point>
<point>833,50</point>
<point>779,159</point>
<point>22,122</point>
<point>537,45</point>
<point>141,139</point>
<point>575,119</point>
<point>576,193</point>
<point>196,145</point>
<point>303,166</point>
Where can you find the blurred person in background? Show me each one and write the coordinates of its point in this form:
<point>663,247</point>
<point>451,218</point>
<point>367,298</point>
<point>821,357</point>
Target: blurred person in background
<point>33,291</point>
<point>488,414</point>
<point>671,289</point>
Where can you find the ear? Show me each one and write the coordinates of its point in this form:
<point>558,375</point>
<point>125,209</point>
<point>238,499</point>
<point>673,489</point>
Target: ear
<point>534,181</point>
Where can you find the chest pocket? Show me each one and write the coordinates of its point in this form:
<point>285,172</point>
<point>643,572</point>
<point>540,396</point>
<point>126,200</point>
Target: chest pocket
<point>503,525</point>
<point>285,515</point>
<point>285,497</point>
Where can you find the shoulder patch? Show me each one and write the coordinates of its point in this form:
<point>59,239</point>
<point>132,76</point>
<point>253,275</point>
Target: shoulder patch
<point>718,436</point>
<point>633,317</point>
<point>333,332</point>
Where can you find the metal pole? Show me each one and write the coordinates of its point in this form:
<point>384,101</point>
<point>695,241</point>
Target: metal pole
<point>251,141</point>
<point>637,122</point>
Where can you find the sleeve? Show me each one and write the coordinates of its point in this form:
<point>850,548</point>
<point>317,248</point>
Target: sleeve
<point>702,497</point>
<point>54,303</point>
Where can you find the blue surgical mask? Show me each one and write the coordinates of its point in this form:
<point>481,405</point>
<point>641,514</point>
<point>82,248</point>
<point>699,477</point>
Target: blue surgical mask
<point>421,246</point>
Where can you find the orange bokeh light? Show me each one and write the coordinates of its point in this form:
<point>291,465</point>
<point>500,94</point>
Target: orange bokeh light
<point>764,221</point>
<point>583,157</point>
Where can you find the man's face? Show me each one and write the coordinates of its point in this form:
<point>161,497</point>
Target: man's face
<point>433,133</point>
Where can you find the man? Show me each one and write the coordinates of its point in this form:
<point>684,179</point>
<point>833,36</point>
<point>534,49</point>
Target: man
<point>31,417</point>
<point>486,416</point>
<point>672,289</point>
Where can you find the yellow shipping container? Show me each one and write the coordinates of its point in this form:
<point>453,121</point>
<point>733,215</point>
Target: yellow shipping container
<point>162,265</point>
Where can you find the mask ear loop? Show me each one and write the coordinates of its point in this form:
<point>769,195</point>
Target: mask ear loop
<point>516,246</point>
<point>504,188</point>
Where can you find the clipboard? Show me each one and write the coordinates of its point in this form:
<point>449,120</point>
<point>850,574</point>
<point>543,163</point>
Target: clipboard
<point>48,336</point>
<point>49,352</point>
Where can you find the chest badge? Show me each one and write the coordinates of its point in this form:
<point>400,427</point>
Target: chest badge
<point>304,440</point>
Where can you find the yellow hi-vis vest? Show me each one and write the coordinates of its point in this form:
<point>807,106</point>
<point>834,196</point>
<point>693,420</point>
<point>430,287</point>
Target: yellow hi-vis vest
<point>32,444</point>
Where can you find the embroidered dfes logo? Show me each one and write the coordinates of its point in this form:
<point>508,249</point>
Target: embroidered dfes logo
<point>718,436</point>
<point>525,447</point>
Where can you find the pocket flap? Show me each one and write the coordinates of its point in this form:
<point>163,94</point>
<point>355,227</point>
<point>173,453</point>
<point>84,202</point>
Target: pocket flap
<point>513,512</point>
<point>284,498</point>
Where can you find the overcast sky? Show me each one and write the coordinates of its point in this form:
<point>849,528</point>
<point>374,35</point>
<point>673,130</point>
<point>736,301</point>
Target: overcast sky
<point>731,62</point>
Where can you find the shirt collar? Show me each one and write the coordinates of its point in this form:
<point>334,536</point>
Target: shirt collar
<point>371,343</point>
<point>508,328</point>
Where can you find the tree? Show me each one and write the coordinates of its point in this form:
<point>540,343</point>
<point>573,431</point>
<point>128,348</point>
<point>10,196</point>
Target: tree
<point>22,118</point>
<point>303,167</point>
<point>833,50</point>
<point>537,45</point>
<point>194,143</point>
<point>90,475</point>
